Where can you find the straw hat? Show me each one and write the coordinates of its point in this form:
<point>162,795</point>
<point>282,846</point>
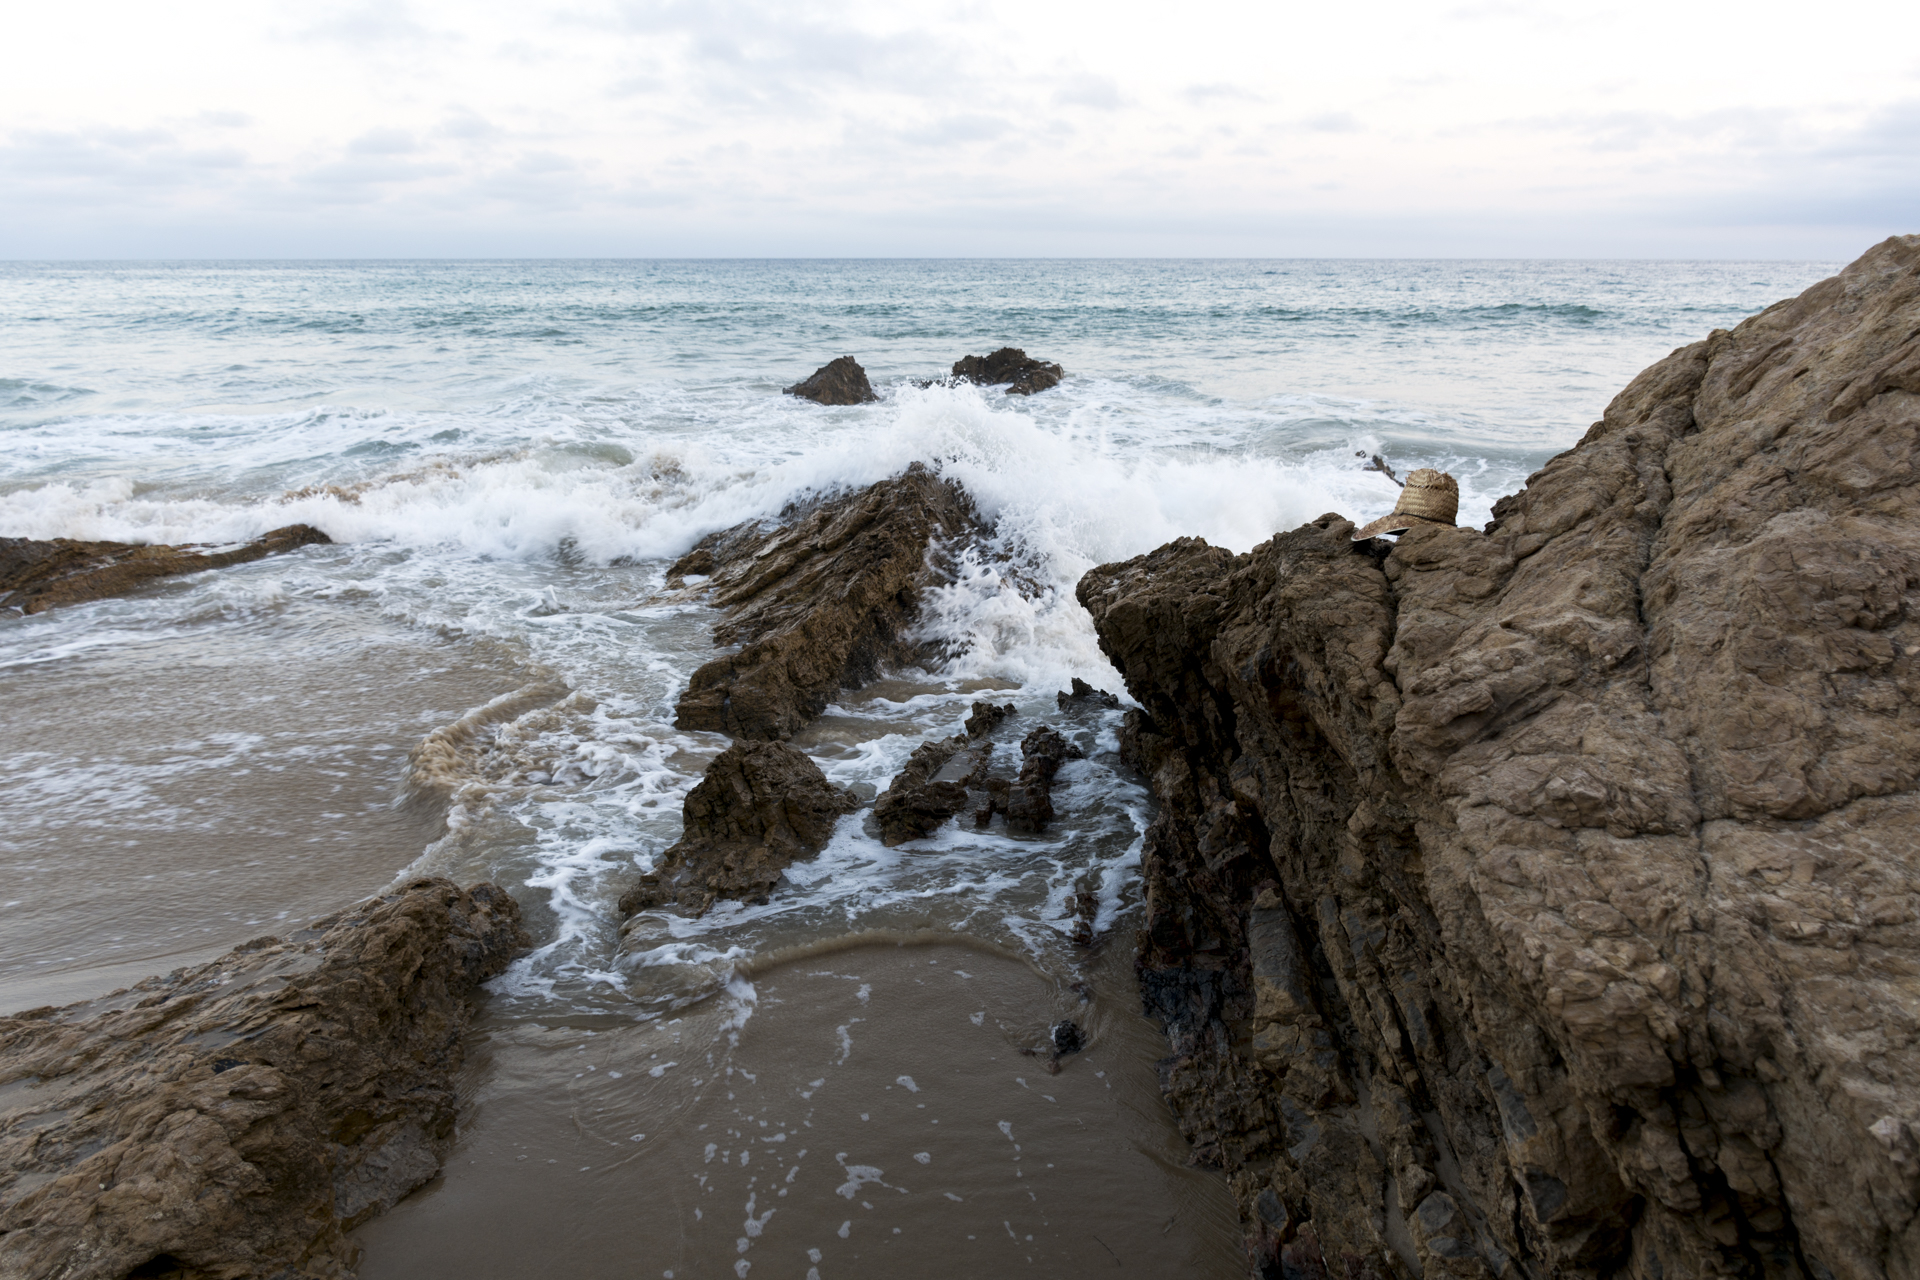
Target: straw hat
<point>1431,497</point>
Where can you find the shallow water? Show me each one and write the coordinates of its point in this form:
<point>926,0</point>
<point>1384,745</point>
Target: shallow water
<point>869,1110</point>
<point>478,678</point>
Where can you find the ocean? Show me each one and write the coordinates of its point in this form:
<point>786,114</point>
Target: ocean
<point>478,678</point>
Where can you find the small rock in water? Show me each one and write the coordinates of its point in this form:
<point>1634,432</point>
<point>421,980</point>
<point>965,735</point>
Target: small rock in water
<point>840,381</point>
<point>1011,367</point>
<point>1068,1037</point>
<point>986,718</point>
<point>1085,693</point>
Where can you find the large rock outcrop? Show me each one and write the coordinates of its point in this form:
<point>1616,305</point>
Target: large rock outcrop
<point>758,807</point>
<point>821,601</point>
<point>239,1118</point>
<point>1546,902</point>
<point>36,575</point>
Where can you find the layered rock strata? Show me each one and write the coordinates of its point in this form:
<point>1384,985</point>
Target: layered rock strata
<point>239,1118</point>
<point>839,381</point>
<point>760,806</point>
<point>822,601</point>
<point>36,575</point>
<point>1020,373</point>
<point>1544,902</point>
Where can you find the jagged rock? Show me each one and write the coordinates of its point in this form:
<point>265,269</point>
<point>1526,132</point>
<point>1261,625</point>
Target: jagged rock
<point>986,718</point>
<point>37,575</point>
<point>1009,365</point>
<point>839,381</point>
<point>821,601</point>
<point>238,1118</point>
<point>760,807</point>
<point>1027,802</point>
<point>1551,890</point>
<point>917,802</point>
<point>1084,694</point>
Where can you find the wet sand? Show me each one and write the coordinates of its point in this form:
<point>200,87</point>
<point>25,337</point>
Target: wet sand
<point>171,796</point>
<point>863,1112</point>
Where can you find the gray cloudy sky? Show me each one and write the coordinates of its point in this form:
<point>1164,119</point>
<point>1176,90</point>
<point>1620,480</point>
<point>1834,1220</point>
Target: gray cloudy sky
<point>986,127</point>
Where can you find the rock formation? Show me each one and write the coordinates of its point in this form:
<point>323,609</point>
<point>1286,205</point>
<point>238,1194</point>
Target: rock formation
<point>1027,801</point>
<point>239,1118</point>
<point>918,802</point>
<point>760,806</point>
<point>1543,902</point>
<point>1084,695</point>
<point>821,601</point>
<point>37,575</point>
<point>986,718</point>
<point>1011,367</point>
<point>839,381</point>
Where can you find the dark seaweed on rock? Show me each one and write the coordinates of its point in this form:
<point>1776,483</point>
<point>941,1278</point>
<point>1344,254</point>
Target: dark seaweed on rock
<point>37,575</point>
<point>821,601</point>
<point>240,1117</point>
<point>1551,891</point>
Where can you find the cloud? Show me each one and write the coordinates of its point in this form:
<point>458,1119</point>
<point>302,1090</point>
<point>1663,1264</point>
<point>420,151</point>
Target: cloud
<point>1332,122</point>
<point>383,142</point>
<point>1097,92</point>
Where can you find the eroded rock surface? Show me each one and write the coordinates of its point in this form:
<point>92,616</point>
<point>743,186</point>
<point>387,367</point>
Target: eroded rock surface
<point>917,802</point>
<point>821,601</point>
<point>1010,367</point>
<point>986,717</point>
<point>1544,902</point>
<point>758,808</point>
<point>839,381</point>
<point>239,1118</point>
<point>1027,801</point>
<point>36,575</point>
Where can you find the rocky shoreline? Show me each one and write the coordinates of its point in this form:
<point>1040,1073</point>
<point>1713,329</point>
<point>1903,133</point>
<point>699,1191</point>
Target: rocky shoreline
<point>237,1119</point>
<point>1541,902</point>
<point>1528,902</point>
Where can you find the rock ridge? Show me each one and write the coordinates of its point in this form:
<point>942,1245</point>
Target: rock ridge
<point>1543,902</point>
<point>36,575</point>
<point>238,1118</point>
<point>822,601</point>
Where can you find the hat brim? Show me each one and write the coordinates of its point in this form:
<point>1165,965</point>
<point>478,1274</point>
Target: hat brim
<point>1398,522</point>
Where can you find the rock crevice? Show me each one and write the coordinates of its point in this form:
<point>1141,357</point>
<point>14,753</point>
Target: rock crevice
<point>1542,902</point>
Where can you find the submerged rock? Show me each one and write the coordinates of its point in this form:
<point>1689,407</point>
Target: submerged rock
<point>1011,367</point>
<point>760,807</point>
<point>917,803</point>
<point>839,381</point>
<point>37,575</point>
<point>240,1117</point>
<point>821,601</point>
<point>1552,890</point>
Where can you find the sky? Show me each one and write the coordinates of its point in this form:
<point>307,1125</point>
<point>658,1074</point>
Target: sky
<point>1027,128</point>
